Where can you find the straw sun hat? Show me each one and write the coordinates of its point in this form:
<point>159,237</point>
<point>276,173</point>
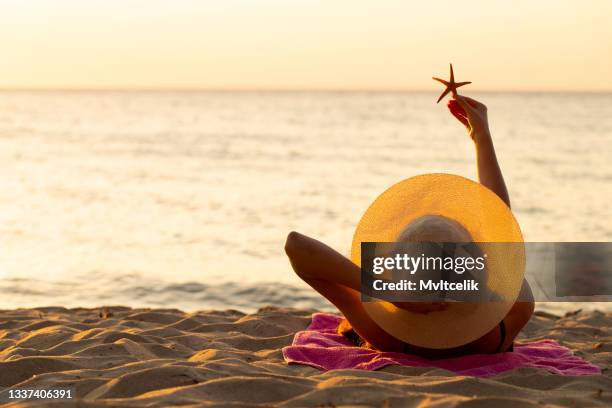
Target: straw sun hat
<point>446,208</point>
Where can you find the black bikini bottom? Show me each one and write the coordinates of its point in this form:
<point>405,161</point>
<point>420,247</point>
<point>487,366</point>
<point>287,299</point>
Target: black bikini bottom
<point>502,339</point>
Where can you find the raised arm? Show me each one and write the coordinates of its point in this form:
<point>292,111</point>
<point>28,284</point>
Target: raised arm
<point>473,115</point>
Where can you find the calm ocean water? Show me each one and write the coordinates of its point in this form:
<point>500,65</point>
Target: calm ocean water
<point>184,199</point>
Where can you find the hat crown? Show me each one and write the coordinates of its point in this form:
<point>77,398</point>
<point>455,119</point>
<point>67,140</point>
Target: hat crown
<point>434,228</point>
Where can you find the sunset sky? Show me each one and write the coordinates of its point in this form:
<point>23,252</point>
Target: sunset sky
<point>305,44</point>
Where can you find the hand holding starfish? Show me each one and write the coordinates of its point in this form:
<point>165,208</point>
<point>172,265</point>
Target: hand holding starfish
<point>451,85</point>
<point>473,115</point>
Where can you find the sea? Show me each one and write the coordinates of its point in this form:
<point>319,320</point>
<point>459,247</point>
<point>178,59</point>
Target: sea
<point>184,199</point>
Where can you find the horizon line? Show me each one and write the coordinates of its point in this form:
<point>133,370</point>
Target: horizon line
<point>280,90</point>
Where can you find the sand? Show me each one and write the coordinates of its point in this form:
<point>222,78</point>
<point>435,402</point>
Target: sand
<point>120,356</point>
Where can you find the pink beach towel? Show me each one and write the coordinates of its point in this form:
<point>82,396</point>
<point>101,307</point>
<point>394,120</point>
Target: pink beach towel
<point>320,346</point>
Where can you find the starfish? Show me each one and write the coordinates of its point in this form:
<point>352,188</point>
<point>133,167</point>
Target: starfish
<point>451,85</point>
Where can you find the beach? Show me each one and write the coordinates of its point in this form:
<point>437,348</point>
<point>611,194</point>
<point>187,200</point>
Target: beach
<point>185,187</point>
<point>183,200</point>
<point>118,356</point>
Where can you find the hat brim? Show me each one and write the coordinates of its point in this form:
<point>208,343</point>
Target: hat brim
<point>488,220</point>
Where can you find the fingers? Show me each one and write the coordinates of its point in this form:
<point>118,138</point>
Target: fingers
<point>454,107</point>
<point>458,112</point>
<point>460,118</point>
<point>463,103</point>
<point>473,102</point>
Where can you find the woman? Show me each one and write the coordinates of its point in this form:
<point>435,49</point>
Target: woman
<point>338,279</point>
